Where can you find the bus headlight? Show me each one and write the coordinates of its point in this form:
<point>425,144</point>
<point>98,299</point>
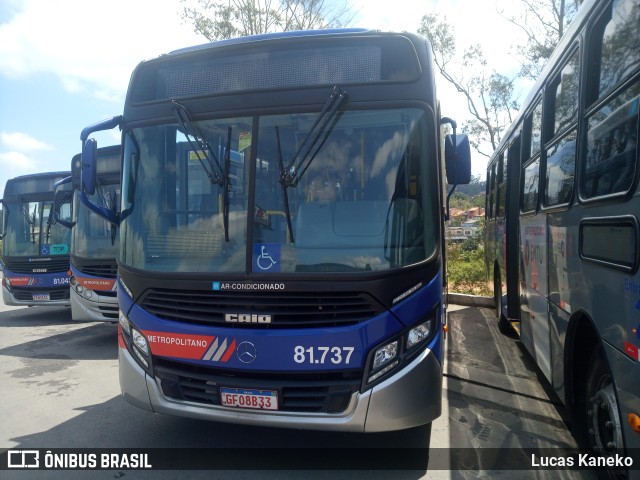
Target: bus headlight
<point>140,347</point>
<point>385,354</point>
<point>384,360</point>
<point>140,342</point>
<point>124,322</point>
<point>135,342</point>
<point>419,334</point>
<point>87,294</point>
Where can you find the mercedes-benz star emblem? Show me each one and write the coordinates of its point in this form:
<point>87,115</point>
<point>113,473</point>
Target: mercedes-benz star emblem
<point>246,352</point>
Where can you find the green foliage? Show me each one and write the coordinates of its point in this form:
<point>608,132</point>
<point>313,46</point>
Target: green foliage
<point>463,201</point>
<point>466,267</point>
<point>218,20</point>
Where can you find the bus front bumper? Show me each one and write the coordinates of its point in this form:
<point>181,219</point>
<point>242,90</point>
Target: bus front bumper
<point>9,299</point>
<point>410,398</point>
<point>100,308</point>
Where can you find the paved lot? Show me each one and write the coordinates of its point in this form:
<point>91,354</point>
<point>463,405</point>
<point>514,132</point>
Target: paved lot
<point>60,390</point>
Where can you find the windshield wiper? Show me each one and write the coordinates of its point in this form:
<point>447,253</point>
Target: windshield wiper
<point>312,143</point>
<point>32,222</point>
<point>25,213</point>
<point>225,185</point>
<point>285,190</point>
<point>199,145</point>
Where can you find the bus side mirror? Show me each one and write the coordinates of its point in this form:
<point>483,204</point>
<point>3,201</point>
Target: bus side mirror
<point>458,159</point>
<point>60,197</point>
<point>88,166</point>
<point>76,169</point>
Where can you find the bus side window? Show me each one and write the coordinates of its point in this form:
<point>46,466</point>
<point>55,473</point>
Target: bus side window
<point>530,185</point>
<point>492,192</point>
<point>502,186</point>
<point>612,130</point>
<point>531,160</point>
<point>561,155</point>
<point>612,142</point>
<point>616,45</point>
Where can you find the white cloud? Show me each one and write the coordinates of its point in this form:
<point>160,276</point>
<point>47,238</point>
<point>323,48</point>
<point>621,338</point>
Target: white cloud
<point>13,164</point>
<point>394,16</point>
<point>91,46</point>
<point>21,142</point>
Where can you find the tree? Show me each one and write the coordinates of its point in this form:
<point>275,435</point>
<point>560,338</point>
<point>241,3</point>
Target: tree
<point>489,94</point>
<point>219,20</point>
<point>543,22</point>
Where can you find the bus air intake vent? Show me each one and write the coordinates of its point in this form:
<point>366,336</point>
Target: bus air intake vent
<point>285,310</point>
<point>28,266</point>
<point>105,271</point>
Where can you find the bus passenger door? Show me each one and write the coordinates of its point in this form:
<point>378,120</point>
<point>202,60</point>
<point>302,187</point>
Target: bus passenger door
<point>534,324</point>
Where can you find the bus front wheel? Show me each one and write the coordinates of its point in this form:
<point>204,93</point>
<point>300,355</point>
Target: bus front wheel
<point>603,415</point>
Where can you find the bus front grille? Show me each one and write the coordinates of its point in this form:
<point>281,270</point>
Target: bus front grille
<point>104,271</point>
<point>284,310</point>
<point>38,265</point>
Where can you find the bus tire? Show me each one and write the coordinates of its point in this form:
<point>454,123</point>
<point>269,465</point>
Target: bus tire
<point>604,428</point>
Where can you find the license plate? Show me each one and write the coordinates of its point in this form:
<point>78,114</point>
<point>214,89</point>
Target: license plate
<point>249,398</point>
<point>40,296</point>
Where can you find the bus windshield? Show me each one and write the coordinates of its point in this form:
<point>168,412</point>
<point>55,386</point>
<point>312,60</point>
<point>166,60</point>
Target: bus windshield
<point>360,203</point>
<point>28,231</point>
<point>94,237</point>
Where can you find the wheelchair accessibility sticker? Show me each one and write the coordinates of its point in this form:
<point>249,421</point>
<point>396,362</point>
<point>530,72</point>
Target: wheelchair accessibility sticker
<point>266,257</point>
<point>54,249</point>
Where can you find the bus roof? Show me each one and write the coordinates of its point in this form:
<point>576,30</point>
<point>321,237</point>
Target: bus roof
<point>270,36</point>
<point>287,60</point>
<point>33,183</point>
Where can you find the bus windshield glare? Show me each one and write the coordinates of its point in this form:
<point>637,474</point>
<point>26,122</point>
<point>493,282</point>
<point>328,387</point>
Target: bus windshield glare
<point>94,237</point>
<point>359,202</point>
<point>28,230</point>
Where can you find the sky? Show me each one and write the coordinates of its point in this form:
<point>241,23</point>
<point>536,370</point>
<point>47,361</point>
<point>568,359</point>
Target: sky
<point>66,64</point>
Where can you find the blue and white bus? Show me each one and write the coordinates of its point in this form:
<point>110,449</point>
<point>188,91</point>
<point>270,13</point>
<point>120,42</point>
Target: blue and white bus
<point>563,228</point>
<point>35,250</point>
<point>281,231</point>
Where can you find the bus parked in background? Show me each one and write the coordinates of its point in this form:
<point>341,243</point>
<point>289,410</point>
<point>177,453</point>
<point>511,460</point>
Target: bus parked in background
<point>281,231</point>
<point>35,251</point>
<point>94,242</point>
<point>563,235</point>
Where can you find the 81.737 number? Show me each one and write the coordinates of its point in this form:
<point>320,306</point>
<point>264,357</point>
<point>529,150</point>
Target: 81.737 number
<point>322,355</point>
